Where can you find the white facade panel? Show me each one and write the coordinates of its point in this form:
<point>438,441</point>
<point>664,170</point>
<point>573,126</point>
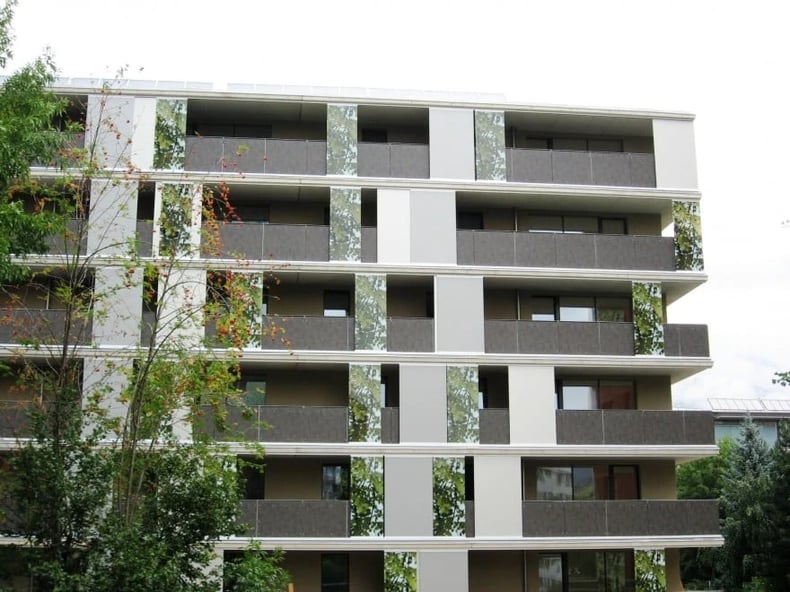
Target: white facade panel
<point>498,496</point>
<point>433,227</point>
<point>442,571</point>
<point>143,134</point>
<point>532,405</point>
<point>423,403</point>
<point>452,148</point>
<point>459,314</point>
<point>675,154</point>
<point>393,225</point>
<point>408,496</point>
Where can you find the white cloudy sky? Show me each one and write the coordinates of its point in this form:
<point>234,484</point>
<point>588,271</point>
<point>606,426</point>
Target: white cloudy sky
<point>725,61</point>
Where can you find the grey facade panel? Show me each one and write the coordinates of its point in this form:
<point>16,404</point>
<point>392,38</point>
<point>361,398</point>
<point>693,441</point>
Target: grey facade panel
<point>494,248</point>
<point>626,518</point>
<point>301,518</point>
<point>243,240</point>
<point>410,161</point>
<point>469,515</point>
<point>440,571</point>
<point>423,403</point>
<point>494,426</point>
<point>295,242</point>
<point>374,160</point>
<point>610,168</point>
<point>459,314</point>
<point>369,244</point>
<point>204,154</point>
<point>543,519</point>
<point>698,427</point>
<point>315,333</point>
<point>660,427</point>
<point>390,425</point>
<point>642,168</point>
<point>537,337</point>
<point>536,249</point>
<point>285,423</point>
<point>501,337</point>
<point>43,327</point>
<point>579,427</point>
<point>145,237</point>
<point>410,335</point>
<point>255,155</point>
<point>573,168</point>
<point>616,339</point>
<point>452,147</point>
<point>623,426</point>
<point>576,250</point>
<point>686,340</point>
<point>529,166</point>
<point>465,247</point>
<point>285,157</point>
<point>408,491</point>
<point>578,338</point>
<point>316,157</point>
<point>614,252</point>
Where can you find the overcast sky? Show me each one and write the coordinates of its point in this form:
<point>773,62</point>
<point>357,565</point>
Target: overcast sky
<point>727,62</point>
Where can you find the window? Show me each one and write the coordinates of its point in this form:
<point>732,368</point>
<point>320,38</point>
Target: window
<point>577,393</point>
<point>577,309</point>
<point>337,303</point>
<point>334,572</point>
<point>469,220</point>
<point>613,226</point>
<point>598,482</point>
<point>582,571</point>
<point>252,477</point>
<point>543,309</point>
<point>254,391</point>
<point>611,309</point>
<point>334,482</point>
<point>575,224</point>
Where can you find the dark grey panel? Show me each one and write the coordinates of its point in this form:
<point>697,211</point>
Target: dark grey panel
<point>616,339</point>
<point>411,161</point>
<point>610,168</point>
<point>410,334</point>
<point>374,159</point>
<point>243,240</point>
<point>148,320</point>
<point>145,237</point>
<point>536,249</point>
<point>642,168</point>
<point>302,518</point>
<point>316,157</point>
<point>541,519</point>
<point>626,518</point>
<point>584,518</point>
<point>316,243</point>
<point>369,244</point>
<point>686,340</point>
<point>245,155</point>
<point>287,157</point>
<point>284,423</point>
<point>575,250</point>
<point>494,248</point>
<point>623,426</point>
<point>578,338</point>
<point>465,247</point>
<point>537,337</point>
<point>13,419</point>
<point>529,166</point>
<point>702,516</point>
<point>579,427</point>
<point>501,337</point>
<point>248,517</point>
<point>614,252</point>
<point>204,154</point>
<point>76,229</point>
<point>661,427</point>
<point>43,327</point>
<point>667,517</point>
<point>470,518</point>
<point>296,242</point>
<point>654,252</point>
<point>571,167</point>
<point>390,425</point>
<point>494,426</point>
<point>698,427</point>
<point>315,333</point>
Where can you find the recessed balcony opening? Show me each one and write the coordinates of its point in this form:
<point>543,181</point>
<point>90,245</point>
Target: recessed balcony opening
<point>393,142</point>
<point>579,149</point>
<point>410,314</point>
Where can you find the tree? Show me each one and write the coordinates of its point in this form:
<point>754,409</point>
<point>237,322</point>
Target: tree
<point>112,489</point>
<point>704,479</point>
<point>778,571</point>
<point>745,496</point>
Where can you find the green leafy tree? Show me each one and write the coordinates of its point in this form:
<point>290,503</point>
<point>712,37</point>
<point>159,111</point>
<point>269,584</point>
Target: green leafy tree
<point>778,572</point>
<point>745,497</point>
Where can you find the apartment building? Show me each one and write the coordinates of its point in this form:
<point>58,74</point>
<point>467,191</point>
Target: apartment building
<point>476,388</point>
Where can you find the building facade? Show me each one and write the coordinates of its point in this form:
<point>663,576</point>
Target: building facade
<point>475,392</point>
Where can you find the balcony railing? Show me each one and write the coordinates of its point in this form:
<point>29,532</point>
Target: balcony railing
<point>410,334</point>
<point>620,518</point>
<point>295,518</point>
<point>314,333</point>
<point>390,425</point>
<point>578,251</point>
<point>256,155</point>
<point>46,327</point>
<point>66,243</point>
<point>14,418</point>
<point>587,338</point>
<point>494,426</point>
<point>635,427</point>
<point>410,161</point>
<point>145,237</point>
<point>621,169</point>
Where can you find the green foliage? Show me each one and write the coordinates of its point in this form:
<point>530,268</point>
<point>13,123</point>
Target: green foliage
<point>648,318</point>
<point>364,405</point>
<point>463,415</point>
<point>367,496</point>
<point>449,508</point>
<point>650,571</point>
<point>400,572</point>
<point>170,134</point>
<point>257,571</point>
<point>370,314</point>
<point>778,566</point>
<point>688,236</point>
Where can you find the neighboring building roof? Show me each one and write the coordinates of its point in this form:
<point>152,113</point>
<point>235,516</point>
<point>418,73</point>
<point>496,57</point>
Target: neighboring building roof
<point>722,407</point>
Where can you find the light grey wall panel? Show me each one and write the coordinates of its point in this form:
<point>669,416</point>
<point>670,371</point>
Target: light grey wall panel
<point>459,314</point>
<point>532,404</point>
<point>113,217</point>
<point>408,496</point>
<point>452,133</point>
<point>432,221</point>
<point>441,571</point>
<point>117,315</point>
<point>423,403</point>
<point>106,377</point>
<point>393,225</point>
<point>109,127</point>
<point>497,496</point>
<point>145,132</point>
<point>676,156</point>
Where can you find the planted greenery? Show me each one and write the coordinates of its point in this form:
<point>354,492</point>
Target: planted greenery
<point>648,315</point>
<point>650,570</point>
<point>688,236</point>
<point>341,140</point>
<point>400,571</point>
<point>370,312</point>
<point>367,496</point>
<point>170,134</point>
<point>449,507</point>
<point>364,398</point>
<point>463,414</point>
<point>490,161</point>
<point>345,224</point>
<point>175,219</point>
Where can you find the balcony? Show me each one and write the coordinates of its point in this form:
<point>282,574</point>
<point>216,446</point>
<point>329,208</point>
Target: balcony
<point>633,518</point>
<point>14,418</point>
<point>578,251</point>
<point>407,161</point>
<point>634,427</point>
<point>255,155</point>
<point>587,338</point>
<point>620,169</point>
<point>295,518</point>
<point>314,333</point>
<point>280,423</point>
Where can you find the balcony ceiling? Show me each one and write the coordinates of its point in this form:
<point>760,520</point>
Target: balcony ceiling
<point>252,112</point>
<point>565,203</point>
<point>585,124</point>
<point>392,116</point>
